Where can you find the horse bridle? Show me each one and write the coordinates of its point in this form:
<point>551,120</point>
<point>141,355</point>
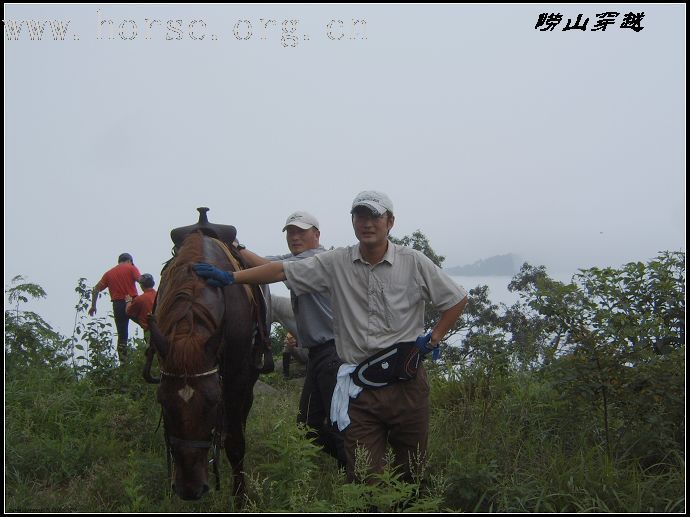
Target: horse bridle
<point>214,444</point>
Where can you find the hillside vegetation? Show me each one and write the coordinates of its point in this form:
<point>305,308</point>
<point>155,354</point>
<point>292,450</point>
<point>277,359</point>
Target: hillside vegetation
<point>570,400</point>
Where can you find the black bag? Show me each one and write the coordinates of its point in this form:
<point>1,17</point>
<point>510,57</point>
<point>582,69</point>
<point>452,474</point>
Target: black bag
<point>398,362</point>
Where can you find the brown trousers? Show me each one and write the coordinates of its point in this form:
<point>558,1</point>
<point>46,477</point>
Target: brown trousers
<point>397,414</point>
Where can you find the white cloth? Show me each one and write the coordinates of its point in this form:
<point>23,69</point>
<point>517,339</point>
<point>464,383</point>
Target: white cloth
<point>344,390</point>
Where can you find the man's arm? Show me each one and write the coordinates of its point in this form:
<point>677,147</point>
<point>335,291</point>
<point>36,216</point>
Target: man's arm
<point>448,319</point>
<point>267,274</point>
<point>94,297</point>
<point>252,259</point>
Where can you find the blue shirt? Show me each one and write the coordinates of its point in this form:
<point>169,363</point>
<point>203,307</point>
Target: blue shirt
<point>313,311</point>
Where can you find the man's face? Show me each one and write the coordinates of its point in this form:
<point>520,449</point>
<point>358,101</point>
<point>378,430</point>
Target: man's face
<point>371,229</point>
<point>299,240</point>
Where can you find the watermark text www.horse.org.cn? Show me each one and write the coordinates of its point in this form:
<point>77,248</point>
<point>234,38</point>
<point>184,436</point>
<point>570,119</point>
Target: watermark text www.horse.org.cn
<point>288,32</point>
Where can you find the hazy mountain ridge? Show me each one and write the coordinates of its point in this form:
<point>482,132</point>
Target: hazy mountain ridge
<point>498,265</point>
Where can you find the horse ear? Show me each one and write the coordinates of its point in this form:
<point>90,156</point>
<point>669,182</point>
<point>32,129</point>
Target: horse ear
<point>158,340</point>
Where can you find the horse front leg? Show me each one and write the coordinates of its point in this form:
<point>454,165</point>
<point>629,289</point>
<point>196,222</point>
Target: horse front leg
<point>235,449</point>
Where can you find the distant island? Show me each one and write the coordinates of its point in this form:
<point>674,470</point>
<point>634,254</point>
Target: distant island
<point>498,265</point>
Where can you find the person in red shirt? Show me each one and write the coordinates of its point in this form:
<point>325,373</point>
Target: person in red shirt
<point>120,282</point>
<point>139,308</point>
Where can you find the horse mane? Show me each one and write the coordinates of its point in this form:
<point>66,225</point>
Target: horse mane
<point>182,316</point>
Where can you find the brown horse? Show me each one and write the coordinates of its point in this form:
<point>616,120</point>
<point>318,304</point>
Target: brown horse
<point>204,339</point>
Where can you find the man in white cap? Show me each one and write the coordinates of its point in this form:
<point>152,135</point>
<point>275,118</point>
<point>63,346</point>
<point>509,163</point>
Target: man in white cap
<point>378,291</point>
<point>314,318</point>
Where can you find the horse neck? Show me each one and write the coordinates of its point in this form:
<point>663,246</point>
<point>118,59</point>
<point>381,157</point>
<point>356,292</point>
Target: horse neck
<point>190,313</point>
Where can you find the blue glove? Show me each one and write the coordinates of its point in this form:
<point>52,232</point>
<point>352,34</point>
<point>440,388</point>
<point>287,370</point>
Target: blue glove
<point>214,276</point>
<point>423,344</point>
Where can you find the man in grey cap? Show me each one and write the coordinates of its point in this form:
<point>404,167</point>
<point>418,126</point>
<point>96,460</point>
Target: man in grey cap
<point>378,291</point>
<point>315,334</point>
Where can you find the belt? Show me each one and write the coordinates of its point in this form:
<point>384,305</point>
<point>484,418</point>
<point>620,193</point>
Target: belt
<point>322,346</point>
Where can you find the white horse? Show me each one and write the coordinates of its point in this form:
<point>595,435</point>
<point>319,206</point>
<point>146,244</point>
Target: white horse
<point>282,313</point>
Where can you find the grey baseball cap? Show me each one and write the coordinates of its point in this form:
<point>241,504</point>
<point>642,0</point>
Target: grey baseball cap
<point>376,201</point>
<point>302,220</point>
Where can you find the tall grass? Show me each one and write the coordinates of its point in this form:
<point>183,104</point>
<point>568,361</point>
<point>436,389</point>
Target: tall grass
<point>497,444</point>
<point>509,444</point>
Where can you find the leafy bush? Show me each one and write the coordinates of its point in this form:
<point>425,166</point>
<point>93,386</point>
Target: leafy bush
<point>571,401</point>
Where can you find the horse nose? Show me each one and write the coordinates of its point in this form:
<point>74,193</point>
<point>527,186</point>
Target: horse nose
<point>188,494</point>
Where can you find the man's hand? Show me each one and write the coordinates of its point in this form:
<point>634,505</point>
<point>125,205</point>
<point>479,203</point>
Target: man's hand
<point>214,276</point>
<point>424,344</point>
<point>290,344</point>
<point>92,311</point>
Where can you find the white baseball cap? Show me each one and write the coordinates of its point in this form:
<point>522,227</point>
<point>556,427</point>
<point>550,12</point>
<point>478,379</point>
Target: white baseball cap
<point>376,201</point>
<point>302,220</point>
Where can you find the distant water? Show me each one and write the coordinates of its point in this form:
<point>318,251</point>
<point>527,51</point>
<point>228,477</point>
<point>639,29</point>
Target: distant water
<point>498,287</point>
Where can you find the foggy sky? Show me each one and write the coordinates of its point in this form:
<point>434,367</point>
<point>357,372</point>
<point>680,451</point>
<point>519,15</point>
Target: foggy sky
<point>564,147</point>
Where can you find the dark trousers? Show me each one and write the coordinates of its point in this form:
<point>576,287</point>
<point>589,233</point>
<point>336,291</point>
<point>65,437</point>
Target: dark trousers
<point>315,401</point>
<point>397,414</point>
<point>122,326</point>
